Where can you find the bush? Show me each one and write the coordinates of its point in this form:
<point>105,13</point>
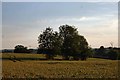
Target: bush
<point>21,49</point>
<point>113,54</point>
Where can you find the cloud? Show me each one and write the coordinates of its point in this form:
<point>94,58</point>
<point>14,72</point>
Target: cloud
<point>89,18</point>
<point>77,19</point>
<point>56,22</point>
<point>98,30</point>
<point>94,25</point>
<point>68,19</point>
<point>102,34</point>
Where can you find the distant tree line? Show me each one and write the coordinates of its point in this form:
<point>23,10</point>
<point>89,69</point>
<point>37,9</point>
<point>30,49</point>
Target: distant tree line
<point>107,53</point>
<point>23,49</point>
<point>7,51</point>
<point>112,53</point>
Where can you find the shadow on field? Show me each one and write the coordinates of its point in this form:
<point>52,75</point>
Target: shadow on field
<point>20,59</point>
<point>24,59</point>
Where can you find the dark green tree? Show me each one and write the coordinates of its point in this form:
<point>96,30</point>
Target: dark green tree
<point>57,43</point>
<point>73,44</point>
<point>90,52</point>
<point>66,33</point>
<point>21,49</point>
<point>86,52</point>
<point>112,54</point>
<point>118,56</point>
<point>49,43</point>
<point>101,52</point>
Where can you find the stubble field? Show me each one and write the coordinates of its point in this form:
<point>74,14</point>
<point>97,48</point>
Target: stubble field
<point>92,68</point>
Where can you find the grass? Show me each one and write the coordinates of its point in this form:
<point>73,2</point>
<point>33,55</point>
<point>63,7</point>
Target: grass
<point>92,68</point>
<point>22,55</point>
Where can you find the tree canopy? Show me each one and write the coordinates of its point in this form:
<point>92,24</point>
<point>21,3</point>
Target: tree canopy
<point>20,49</point>
<point>49,43</point>
<point>73,43</point>
<point>66,42</point>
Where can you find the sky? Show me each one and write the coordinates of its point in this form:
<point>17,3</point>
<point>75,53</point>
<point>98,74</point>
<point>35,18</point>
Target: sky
<point>23,22</point>
<point>59,0</point>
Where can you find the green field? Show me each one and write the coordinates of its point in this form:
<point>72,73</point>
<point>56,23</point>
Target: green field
<point>35,68</point>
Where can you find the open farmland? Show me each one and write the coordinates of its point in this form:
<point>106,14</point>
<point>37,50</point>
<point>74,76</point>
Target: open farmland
<point>92,68</point>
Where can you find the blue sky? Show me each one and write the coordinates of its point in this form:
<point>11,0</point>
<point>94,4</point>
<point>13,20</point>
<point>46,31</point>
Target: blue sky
<point>60,0</point>
<point>23,21</point>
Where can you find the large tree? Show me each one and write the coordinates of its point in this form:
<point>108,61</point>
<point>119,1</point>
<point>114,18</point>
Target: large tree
<point>67,41</point>
<point>73,44</point>
<point>49,43</point>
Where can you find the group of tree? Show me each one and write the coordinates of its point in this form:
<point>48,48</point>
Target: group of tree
<point>108,53</point>
<point>67,42</point>
<point>21,49</point>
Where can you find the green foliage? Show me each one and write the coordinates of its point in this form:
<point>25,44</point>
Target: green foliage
<point>118,56</point>
<point>108,53</point>
<point>49,43</point>
<point>20,49</point>
<point>67,43</point>
<point>90,52</point>
<point>67,33</point>
<point>113,54</point>
<point>73,44</point>
<point>102,50</point>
